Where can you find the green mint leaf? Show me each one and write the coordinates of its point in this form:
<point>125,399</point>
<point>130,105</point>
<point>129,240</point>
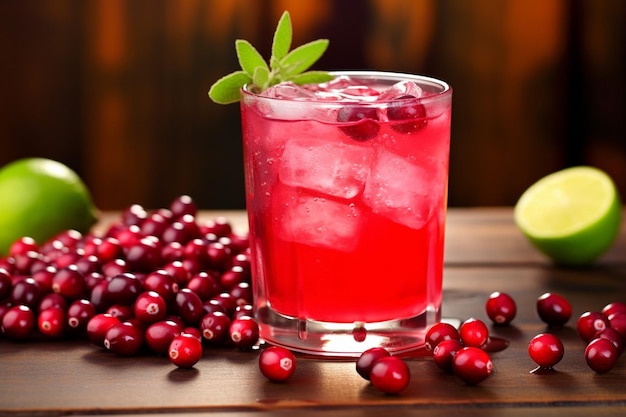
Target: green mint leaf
<point>249,57</point>
<point>261,77</point>
<point>282,37</point>
<point>226,90</point>
<point>301,58</point>
<point>312,77</point>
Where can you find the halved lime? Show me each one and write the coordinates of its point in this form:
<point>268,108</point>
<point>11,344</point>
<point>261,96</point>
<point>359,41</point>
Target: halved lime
<point>572,215</point>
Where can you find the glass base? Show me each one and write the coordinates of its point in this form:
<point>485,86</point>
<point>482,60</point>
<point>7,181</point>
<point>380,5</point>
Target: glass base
<point>344,339</point>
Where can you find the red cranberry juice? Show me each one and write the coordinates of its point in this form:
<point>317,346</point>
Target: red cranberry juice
<point>347,205</point>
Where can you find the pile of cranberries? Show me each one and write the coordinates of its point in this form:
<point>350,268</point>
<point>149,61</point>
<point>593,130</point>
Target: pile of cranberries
<point>161,281</point>
<point>158,280</point>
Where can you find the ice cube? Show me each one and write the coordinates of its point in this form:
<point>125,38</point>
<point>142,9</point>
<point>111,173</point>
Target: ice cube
<point>310,219</point>
<point>331,168</point>
<point>402,191</point>
<point>401,89</point>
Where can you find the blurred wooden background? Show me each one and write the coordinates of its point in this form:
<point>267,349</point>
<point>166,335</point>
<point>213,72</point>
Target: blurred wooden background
<point>117,89</point>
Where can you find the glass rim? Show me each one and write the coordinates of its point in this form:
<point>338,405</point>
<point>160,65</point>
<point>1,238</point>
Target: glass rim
<point>442,87</point>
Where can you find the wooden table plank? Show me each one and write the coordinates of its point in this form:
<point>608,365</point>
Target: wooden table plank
<point>56,378</point>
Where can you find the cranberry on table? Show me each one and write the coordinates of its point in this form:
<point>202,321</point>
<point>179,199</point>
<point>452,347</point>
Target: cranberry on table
<point>368,358</point>
<point>215,326</point>
<point>444,353</point>
<point>591,322</point>
<point>51,322</point>
<point>546,350</point>
<point>474,332</point>
<point>18,322</point>
<point>472,365</point>
<point>601,355</point>
<point>554,309</point>
<point>390,375</point>
<point>614,336</point>
<point>98,326</point>
<point>439,332</point>
<point>79,313</point>
<point>150,307</point>
<point>185,350</point>
<point>124,338</point>
<point>159,335</point>
<point>501,308</point>
<point>244,332</point>
<point>615,307</point>
<point>277,364</point>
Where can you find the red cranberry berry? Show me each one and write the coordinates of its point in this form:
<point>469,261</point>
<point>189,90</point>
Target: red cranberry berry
<point>615,307</point>
<point>618,322</point>
<point>546,350</point>
<point>410,111</point>
<point>182,205</point>
<point>69,282</point>
<point>188,306</point>
<point>439,332</point>
<point>23,245</point>
<point>363,122</point>
<point>144,256</point>
<point>368,358</point>
<point>6,284</point>
<point>215,327</point>
<point>205,285</point>
<point>554,309</point>
<point>18,322</point>
<point>124,288</point>
<point>98,326</point>
<point>25,292</point>
<point>501,308</point>
<point>79,313</point>
<point>52,300</point>
<point>161,282</point>
<point>472,365</point>
<point>614,336</point>
<point>474,332</point>
<point>124,339</point>
<point>277,363</point>
<point>159,335</point>
<point>601,355</point>
<point>244,332</point>
<point>590,323</point>
<point>150,307</point>
<point>185,350</point>
<point>51,322</point>
<point>444,352</point>
<point>390,375</point>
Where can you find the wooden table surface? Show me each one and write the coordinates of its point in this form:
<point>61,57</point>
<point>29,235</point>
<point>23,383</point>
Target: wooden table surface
<point>484,253</point>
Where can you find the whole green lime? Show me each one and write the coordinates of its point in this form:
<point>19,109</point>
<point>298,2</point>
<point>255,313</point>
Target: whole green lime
<point>40,198</point>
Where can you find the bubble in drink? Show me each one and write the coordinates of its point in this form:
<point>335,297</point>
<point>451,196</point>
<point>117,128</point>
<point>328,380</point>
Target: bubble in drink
<point>331,168</point>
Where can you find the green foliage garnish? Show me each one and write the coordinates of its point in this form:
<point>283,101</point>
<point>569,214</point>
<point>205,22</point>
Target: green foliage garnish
<point>284,65</point>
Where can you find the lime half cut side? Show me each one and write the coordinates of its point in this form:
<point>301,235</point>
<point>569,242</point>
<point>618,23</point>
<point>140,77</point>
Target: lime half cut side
<point>572,215</point>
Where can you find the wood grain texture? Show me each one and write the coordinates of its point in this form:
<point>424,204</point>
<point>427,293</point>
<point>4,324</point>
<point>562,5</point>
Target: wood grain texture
<point>73,377</point>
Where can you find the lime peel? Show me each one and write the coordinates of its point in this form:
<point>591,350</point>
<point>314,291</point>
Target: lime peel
<point>572,215</point>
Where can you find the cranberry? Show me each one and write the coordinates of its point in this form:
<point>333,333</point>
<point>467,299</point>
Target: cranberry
<point>243,310</point>
<point>242,293</point>
<point>69,282</point>
<point>472,365</point>
<point>444,352</point>
<point>18,322</point>
<point>215,327</point>
<point>601,355</point>
<point>368,358</point>
<point>134,215</point>
<point>124,339</point>
<point>244,332</point>
<point>546,350</point>
<point>124,289</point>
<point>363,122</point>
<point>154,225</point>
<point>212,305</point>
<point>171,251</point>
<point>205,285</point>
<point>44,278</point>
<point>219,255</point>
<point>439,332</point>
<point>188,306</point>
<point>390,375</point>
<point>554,309</point>
<point>143,256</point>
<point>79,313</point>
<point>501,308</point>
<point>612,308</point>
<point>6,284</point>
<point>474,332</point>
<point>52,300</point>
<point>25,292</point>
<point>182,205</point>
<point>98,326</point>
<point>161,282</point>
<point>618,322</point>
<point>114,267</point>
<point>51,322</point>
<point>121,311</point>
<point>614,336</point>
<point>410,111</point>
<point>277,364</point>
<point>99,296</point>
<point>150,307</point>
<point>185,350</point>
<point>219,226</point>
<point>227,301</point>
<point>590,323</point>
<point>159,335</point>
<point>23,245</point>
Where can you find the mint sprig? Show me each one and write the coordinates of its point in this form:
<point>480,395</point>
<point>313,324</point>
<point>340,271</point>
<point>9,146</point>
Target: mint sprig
<point>284,65</point>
